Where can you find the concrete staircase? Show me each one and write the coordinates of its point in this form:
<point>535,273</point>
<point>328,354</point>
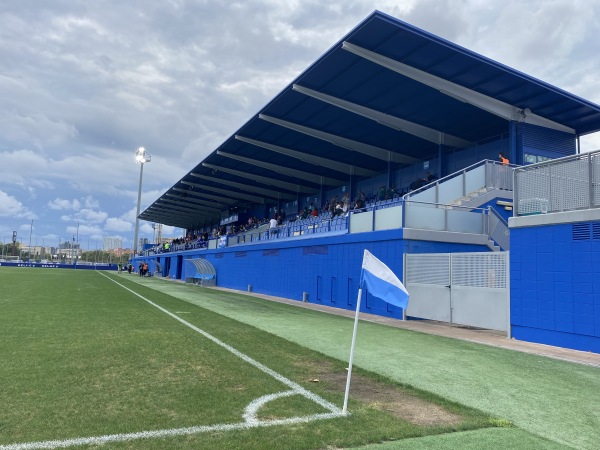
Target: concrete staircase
<point>485,195</point>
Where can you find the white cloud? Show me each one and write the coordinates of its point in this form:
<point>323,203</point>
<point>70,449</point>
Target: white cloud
<point>89,215</point>
<point>116,224</point>
<point>61,204</point>
<point>172,231</point>
<point>91,203</point>
<point>97,80</point>
<point>11,207</point>
<point>146,228</point>
<point>84,230</point>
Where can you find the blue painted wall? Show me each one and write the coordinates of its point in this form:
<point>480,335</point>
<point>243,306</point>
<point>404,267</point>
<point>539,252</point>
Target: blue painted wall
<point>327,268</point>
<point>555,285</point>
<point>499,209</point>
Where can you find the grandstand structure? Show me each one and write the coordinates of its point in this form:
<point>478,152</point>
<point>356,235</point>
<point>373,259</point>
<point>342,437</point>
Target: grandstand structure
<point>386,107</point>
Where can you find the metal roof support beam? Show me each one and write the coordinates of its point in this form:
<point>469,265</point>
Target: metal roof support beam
<point>264,180</point>
<point>248,187</point>
<point>170,223</point>
<point>158,212</point>
<point>348,169</point>
<point>225,201</point>
<point>456,91</point>
<point>423,132</point>
<point>181,211</point>
<point>300,174</point>
<point>188,206</point>
<point>173,213</point>
<point>210,204</point>
<point>234,194</point>
<point>348,144</point>
<point>178,220</point>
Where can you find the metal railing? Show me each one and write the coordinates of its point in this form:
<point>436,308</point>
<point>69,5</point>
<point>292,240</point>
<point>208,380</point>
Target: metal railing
<point>441,217</point>
<point>564,184</point>
<point>498,230</point>
<point>483,174</point>
<point>410,211</point>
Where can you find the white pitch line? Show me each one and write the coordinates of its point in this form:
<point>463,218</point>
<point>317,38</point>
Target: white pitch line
<point>295,386</point>
<point>100,440</point>
<point>250,412</point>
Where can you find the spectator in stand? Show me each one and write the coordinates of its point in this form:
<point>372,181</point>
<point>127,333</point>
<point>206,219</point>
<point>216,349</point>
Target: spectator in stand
<point>314,212</point>
<point>503,159</point>
<point>338,210</point>
<point>273,225</point>
<point>381,193</point>
<point>334,202</point>
<point>304,213</point>
<point>326,207</point>
<point>359,204</point>
<point>389,194</point>
<point>418,184</point>
<point>346,202</point>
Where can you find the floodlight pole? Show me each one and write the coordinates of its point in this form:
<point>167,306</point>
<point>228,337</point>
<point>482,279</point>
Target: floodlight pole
<point>142,157</point>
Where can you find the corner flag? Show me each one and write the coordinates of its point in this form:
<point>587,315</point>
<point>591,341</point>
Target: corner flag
<point>381,281</point>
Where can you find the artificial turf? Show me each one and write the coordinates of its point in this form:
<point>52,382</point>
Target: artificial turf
<point>556,400</point>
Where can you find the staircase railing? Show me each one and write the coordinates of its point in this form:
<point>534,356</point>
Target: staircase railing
<point>483,174</point>
<point>498,230</point>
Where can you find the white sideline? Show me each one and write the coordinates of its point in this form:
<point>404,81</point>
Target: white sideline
<point>295,386</point>
<point>250,412</point>
<point>99,440</point>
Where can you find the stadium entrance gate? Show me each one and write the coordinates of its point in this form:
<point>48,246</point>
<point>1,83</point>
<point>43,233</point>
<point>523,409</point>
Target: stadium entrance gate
<point>460,288</point>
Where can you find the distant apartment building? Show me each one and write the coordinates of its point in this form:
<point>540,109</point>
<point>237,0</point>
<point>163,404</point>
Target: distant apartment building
<point>110,244</point>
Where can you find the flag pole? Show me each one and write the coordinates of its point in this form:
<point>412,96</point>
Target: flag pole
<point>345,408</point>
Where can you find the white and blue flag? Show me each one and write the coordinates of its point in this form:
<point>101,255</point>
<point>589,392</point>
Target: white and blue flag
<point>381,282</point>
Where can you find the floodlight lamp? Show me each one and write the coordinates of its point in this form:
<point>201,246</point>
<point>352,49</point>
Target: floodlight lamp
<point>141,156</point>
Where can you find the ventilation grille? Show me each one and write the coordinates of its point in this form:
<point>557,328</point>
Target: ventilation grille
<point>596,231</point>
<point>586,231</point>
<point>581,231</point>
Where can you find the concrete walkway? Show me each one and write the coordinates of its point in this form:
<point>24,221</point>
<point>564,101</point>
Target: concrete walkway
<point>479,336</point>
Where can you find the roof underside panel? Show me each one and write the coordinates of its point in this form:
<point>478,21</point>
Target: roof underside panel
<point>348,114</point>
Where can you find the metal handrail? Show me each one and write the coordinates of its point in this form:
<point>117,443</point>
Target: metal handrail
<point>461,172</point>
<point>553,198</point>
<point>504,244</point>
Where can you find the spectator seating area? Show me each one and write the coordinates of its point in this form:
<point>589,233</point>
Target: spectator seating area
<point>290,228</point>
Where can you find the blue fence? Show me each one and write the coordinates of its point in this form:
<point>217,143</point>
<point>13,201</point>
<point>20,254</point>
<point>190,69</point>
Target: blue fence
<point>98,266</point>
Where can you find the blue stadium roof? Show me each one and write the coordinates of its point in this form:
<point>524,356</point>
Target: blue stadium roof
<point>388,92</point>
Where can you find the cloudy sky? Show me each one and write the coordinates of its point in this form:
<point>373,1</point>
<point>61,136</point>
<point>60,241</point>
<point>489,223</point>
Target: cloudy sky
<point>83,83</point>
